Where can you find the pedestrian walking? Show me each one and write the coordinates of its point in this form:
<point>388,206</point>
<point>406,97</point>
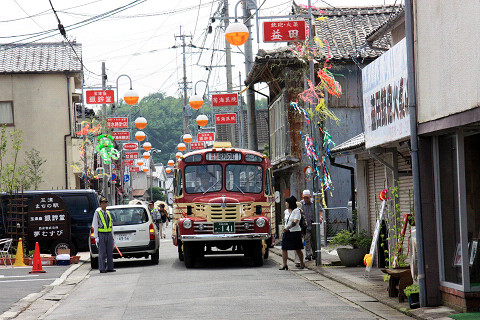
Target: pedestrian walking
<point>297,258</point>
<point>102,230</point>
<point>292,233</point>
<point>155,214</point>
<point>163,219</point>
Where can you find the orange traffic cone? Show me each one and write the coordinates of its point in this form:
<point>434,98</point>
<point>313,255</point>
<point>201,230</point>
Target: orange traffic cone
<point>37,261</point>
<point>19,255</point>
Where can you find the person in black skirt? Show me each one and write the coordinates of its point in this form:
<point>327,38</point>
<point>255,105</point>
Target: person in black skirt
<point>292,232</point>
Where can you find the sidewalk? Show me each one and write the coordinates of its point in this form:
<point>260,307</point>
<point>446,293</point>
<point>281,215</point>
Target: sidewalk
<point>373,286</point>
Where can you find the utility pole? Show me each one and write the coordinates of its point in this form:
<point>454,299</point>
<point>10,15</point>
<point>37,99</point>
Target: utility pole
<point>252,121</point>
<point>106,177</point>
<point>185,83</point>
<point>228,63</point>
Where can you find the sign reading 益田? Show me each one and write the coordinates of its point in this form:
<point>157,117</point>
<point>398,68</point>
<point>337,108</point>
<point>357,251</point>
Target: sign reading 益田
<point>277,31</point>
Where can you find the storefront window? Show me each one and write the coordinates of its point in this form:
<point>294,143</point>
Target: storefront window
<point>472,187</point>
<point>450,215</point>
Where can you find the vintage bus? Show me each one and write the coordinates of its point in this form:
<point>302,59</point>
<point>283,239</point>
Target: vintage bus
<point>223,203</point>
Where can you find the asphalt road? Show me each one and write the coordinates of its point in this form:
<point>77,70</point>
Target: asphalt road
<point>219,287</point>
<point>16,283</point>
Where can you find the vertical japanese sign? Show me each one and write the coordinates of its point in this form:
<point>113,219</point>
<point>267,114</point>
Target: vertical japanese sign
<point>99,96</point>
<point>48,218</point>
<point>225,118</point>
<point>224,100</point>
<point>278,31</point>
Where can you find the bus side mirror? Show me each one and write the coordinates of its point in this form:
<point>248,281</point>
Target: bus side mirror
<point>277,196</point>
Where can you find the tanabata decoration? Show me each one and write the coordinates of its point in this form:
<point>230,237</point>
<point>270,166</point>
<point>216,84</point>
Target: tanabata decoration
<point>382,195</point>
<point>367,260</point>
<point>106,149</point>
<point>301,110</point>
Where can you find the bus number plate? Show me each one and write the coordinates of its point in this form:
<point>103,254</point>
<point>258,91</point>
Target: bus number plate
<point>224,227</point>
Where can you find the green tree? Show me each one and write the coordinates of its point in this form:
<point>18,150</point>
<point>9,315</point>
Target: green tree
<point>34,173</point>
<point>157,194</point>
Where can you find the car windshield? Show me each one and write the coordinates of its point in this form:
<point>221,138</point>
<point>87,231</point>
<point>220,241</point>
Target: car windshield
<point>245,178</point>
<point>203,178</point>
<point>128,216</point>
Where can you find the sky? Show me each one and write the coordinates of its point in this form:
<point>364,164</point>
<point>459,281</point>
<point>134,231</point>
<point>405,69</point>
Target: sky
<point>142,40</point>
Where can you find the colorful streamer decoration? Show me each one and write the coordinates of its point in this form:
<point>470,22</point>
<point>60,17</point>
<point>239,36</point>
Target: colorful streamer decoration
<point>301,110</point>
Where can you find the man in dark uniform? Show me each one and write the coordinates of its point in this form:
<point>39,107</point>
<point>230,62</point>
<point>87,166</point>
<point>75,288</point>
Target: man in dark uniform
<point>102,229</point>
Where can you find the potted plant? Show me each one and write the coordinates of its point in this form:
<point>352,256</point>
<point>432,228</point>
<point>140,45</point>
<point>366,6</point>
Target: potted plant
<point>413,294</point>
<point>357,243</point>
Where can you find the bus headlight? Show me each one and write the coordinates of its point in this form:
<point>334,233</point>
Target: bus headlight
<point>187,223</point>
<point>260,222</point>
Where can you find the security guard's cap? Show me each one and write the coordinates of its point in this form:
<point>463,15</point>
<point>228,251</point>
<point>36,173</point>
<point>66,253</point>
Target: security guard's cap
<point>151,202</point>
<point>103,199</point>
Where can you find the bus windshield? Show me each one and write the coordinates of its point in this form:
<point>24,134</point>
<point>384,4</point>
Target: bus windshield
<point>203,178</point>
<point>244,178</point>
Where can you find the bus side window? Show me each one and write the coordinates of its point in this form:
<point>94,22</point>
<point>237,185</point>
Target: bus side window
<point>268,183</point>
<point>178,183</point>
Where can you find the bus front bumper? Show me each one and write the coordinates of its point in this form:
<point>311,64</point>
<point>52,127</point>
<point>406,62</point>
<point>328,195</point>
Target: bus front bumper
<point>224,236</point>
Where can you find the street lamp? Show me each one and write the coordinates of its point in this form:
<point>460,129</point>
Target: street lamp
<point>146,155</point>
<point>202,120</point>
<point>140,136</point>
<point>178,155</point>
<point>171,163</point>
<point>140,123</point>
<point>196,101</point>
<point>236,33</point>
<point>187,138</point>
<point>147,146</point>
<point>181,146</point>
<point>140,162</point>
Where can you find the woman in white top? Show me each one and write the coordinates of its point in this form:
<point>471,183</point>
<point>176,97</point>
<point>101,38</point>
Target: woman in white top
<point>292,232</point>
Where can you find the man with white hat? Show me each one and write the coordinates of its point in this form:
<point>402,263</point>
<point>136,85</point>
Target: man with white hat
<point>307,206</point>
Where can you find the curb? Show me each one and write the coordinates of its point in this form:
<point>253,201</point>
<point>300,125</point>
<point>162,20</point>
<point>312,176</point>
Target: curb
<point>23,304</point>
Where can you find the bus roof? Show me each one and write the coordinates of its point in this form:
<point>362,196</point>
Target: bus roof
<point>213,149</point>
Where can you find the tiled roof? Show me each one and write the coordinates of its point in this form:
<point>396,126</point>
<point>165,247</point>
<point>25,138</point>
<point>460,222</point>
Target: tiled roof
<point>394,18</point>
<point>346,29</point>
<point>40,58</point>
<point>351,144</point>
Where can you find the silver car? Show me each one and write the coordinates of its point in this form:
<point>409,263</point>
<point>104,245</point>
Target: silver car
<point>135,234</point>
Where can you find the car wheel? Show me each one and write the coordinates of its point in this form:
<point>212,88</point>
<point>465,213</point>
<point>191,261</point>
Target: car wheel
<point>154,257</point>
<point>63,244</point>
<point>93,262</point>
<point>180,251</point>
<point>189,255</point>
<point>257,253</point>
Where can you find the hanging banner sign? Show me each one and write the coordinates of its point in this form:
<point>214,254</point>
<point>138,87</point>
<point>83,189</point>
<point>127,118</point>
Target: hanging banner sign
<point>134,169</point>
<point>117,123</point>
<point>206,136</point>
<point>48,218</point>
<point>128,162</point>
<point>121,135</point>
<point>225,118</point>
<point>197,145</point>
<point>99,96</point>
<point>130,146</point>
<point>278,31</point>
<point>131,155</point>
<point>224,100</point>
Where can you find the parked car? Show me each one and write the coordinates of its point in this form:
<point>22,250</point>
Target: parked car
<point>80,204</point>
<point>135,234</point>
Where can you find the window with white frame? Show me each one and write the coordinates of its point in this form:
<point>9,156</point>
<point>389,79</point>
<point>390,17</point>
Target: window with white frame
<point>6,112</point>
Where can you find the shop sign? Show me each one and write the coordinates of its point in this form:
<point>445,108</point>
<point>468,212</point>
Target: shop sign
<point>121,135</point>
<point>117,123</point>
<point>278,31</point>
<point>128,162</point>
<point>224,100</point>
<point>197,145</point>
<point>133,169</point>
<point>130,146</point>
<point>206,136</point>
<point>225,118</point>
<point>48,218</point>
<point>99,96</point>
<point>385,103</point>
<point>131,155</point>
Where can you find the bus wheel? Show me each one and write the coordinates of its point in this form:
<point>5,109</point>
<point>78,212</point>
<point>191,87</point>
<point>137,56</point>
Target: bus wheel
<point>189,254</point>
<point>257,253</point>
<point>180,251</point>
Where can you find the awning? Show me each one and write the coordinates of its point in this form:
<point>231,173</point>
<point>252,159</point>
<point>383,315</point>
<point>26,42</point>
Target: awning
<point>351,146</point>
<point>139,192</point>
